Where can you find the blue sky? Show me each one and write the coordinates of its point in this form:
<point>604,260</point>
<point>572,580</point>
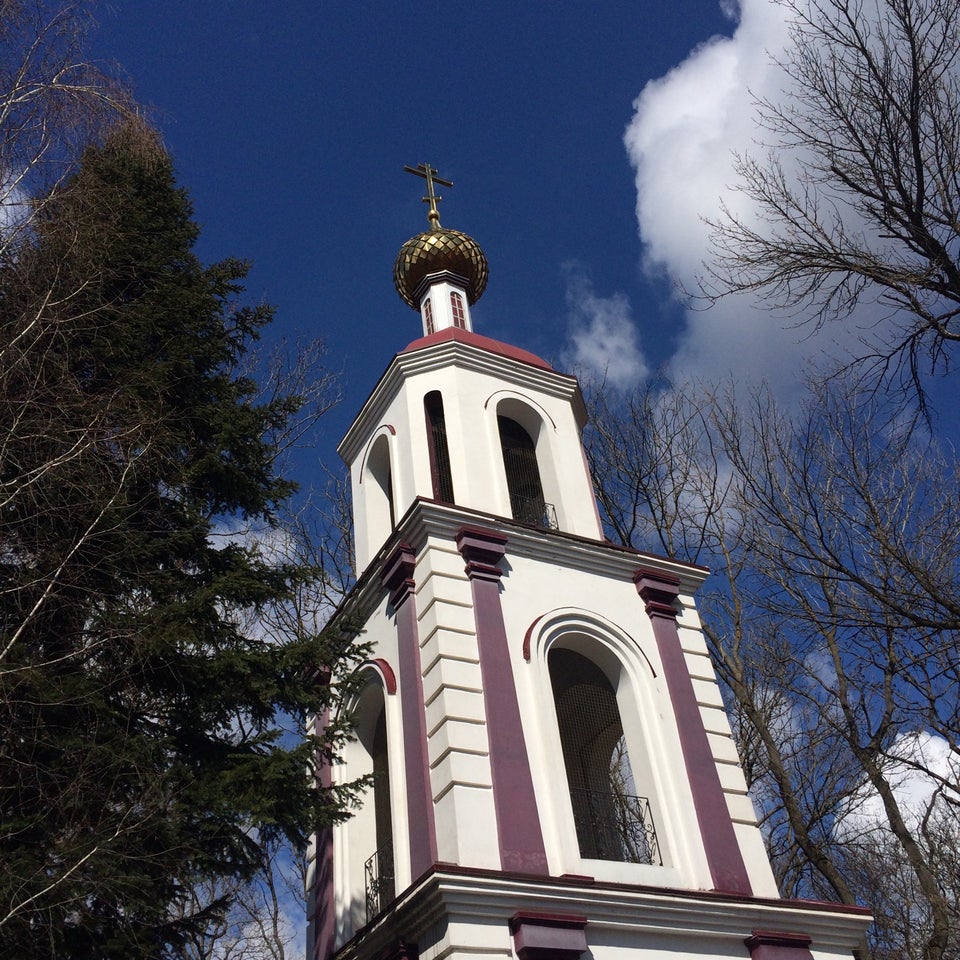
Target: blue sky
<point>290,123</point>
<point>587,143</point>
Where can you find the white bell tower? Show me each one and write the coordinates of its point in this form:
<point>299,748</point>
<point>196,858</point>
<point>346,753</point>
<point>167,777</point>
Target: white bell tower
<point>553,773</point>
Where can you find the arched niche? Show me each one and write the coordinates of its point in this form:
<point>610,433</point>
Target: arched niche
<point>377,484</point>
<point>441,471</point>
<point>368,847</point>
<point>529,469</point>
<point>598,700</point>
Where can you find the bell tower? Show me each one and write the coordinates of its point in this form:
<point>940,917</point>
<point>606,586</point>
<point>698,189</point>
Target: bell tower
<point>552,771</point>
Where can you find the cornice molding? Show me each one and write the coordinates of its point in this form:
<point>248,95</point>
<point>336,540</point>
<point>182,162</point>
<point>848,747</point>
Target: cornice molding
<point>458,355</point>
<point>463,895</point>
<point>428,518</point>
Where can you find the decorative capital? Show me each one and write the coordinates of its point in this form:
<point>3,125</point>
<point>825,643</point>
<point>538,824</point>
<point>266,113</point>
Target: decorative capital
<point>776,945</point>
<point>481,549</point>
<point>397,574</point>
<point>659,592</point>
<point>548,936</point>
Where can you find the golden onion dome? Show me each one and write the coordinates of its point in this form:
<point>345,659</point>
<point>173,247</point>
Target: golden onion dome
<point>440,251</point>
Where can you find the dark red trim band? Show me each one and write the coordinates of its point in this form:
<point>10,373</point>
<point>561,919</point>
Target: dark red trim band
<point>397,577</point>
<point>518,820</point>
<point>659,592</point>
<point>386,671</point>
<point>477,340</point>
<point>397,574</point>
<point>528,636</point>
<point>323,904</point>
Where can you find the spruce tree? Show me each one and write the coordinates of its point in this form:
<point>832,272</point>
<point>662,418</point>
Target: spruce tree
<point>139,747</point>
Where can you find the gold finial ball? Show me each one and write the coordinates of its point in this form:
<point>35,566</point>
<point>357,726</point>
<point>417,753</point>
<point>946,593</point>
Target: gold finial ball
<point>437,251</point>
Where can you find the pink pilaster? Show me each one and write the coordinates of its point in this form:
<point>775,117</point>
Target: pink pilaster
<point>397,577</point>
<point>518,821</point>
<point>659,592</point>
<point>323,903</point>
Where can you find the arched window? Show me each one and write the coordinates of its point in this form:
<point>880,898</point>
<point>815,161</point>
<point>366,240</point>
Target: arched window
<point>523,474</point>
<point>612,821</point>
<point>428,315</point>
<point>378,869</point>
<point>456,305</point>
<point>380,498</point>
<point>373,823</point>
<point>439,454</point>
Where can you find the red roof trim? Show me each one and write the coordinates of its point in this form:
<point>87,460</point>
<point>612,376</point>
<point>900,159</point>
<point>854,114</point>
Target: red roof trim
<point>481,342</point>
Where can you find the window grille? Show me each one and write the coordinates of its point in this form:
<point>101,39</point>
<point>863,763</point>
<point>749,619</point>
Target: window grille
<point>612,822</point>
<point>428,314</point>
<point>538,512</point>
<point>378,869</point>
<point>523,473</point>
<point>440,470</point>
<point>379,881</point>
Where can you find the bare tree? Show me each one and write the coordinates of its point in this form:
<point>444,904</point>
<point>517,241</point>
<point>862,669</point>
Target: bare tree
<point>855,548</point>
<point>831,616</point>
<point>54,102</point>
<point>260,919</point>
<point>657,479</point>
<point>857,203</point>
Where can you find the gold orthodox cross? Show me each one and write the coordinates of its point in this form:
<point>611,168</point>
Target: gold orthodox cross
<point>430,175</point>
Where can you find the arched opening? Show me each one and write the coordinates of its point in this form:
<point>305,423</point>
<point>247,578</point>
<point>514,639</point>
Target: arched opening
<point>373,823</point>
<point>378,869</point>
<point>380,494</point>
<point>612,821</point>
<point>428,315</point>
<point>440,470</point>
<point>524,485</point>
<point>456,307</point>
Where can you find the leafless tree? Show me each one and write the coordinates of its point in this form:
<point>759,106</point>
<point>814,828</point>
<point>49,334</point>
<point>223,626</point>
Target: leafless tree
<point>54,102</point>
<point>831,616</point>
<point>855,546</point>
<point>857,201</point>
<point>655,472</point>
<point>256,920</point>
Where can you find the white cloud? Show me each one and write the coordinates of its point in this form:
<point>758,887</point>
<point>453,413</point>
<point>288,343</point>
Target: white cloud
<point>918,763</point>
<point>686,129</point>
<point>604,343</point>
<point>15,207</point>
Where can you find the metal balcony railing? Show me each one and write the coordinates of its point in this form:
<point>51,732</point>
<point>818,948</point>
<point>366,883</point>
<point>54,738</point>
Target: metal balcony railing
<point>615,826</point>
<point>378,877</point>
<point>534,511</point>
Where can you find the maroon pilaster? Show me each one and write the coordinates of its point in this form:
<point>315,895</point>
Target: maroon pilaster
<point>548,936</point>
<point>323,900</point>
<point>397,577</point>
<point>518,822</point>
<point>659,592</point>
<point>773,945</point>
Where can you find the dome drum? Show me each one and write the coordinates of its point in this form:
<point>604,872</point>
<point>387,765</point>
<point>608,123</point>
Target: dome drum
<point>442,276</point>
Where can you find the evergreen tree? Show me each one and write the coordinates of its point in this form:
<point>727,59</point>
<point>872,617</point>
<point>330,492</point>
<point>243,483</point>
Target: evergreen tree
<point>139,748</point>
